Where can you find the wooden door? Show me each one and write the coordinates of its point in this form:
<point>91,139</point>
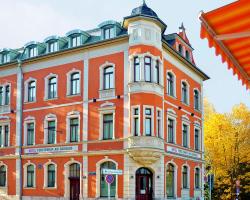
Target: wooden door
<point>144,187</point>
<point>74,188</point>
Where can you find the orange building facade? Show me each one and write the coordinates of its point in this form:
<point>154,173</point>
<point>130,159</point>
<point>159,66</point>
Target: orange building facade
<point>122,97</point>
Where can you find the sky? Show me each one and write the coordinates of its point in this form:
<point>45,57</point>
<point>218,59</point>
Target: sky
<point>34,20</point>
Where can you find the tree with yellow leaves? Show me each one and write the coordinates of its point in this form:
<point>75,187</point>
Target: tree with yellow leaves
<point>227,150</point>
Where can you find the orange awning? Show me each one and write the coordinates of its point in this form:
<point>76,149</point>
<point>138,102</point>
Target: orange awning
<point>227,29</point>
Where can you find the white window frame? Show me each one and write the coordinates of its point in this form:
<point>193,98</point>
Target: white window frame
<point>197,127</point>
<point>200,177</point>
<point>188,91</point>
<point>199,100</point>
<point>49,117</point>
<point>185,121</point>
<point>141,58</point>
<point>26,89</point>
<point>6,181</point>
<point>35,53</point>
<point>27,121</point>
<point>101,73</point>
<point>72,115</point>
<point>133,121</point>
<point>175,176</point>
<point>69,81</point>
<point>46,81</point>
<point>174,83</point>
<point>3,124</point>
<point>106,108</point>
<point>55,43</point>
<point>25,182</point>
<point>161,124</point>
<point>45,168</point>
<point>4,94</point>
<point>152,119</point>
<point>171,114</point>
<point>188,177</point>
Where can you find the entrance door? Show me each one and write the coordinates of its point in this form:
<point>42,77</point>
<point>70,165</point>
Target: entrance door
<point>74,178</point>
<point>144,184</point>
<point>74,188</point>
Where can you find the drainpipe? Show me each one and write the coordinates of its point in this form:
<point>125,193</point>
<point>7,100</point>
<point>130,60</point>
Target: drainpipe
<point>19,122</point>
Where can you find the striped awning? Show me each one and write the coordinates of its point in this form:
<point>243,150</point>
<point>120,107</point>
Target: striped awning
<point>227,29</point>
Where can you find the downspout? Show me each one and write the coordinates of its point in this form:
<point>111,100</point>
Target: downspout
<point>19,122</point>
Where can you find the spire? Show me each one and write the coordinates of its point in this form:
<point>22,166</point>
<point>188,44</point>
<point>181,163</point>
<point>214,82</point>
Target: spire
<point>144,2</point>
<point>182,28</point>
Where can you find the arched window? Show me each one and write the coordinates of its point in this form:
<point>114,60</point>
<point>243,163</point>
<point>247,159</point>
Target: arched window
<point>184,89</point>
<point>170,180</point>
<point>52,88</point>
<point>103,184</point>
<point>2,176</point>
<point>108,80</point>
<point>30,176</point>
<point>137,72</point>
<point>187,55</point>
<point>75,83</point>
<point>170,84</point>
<point>147,69</point>
<point>180,49</point>
<point>197,178</point>
<point>31,91</point>
<point>185,177</point>
<point>196,100</point>
<point>51,175</point>
<point>74,170</point>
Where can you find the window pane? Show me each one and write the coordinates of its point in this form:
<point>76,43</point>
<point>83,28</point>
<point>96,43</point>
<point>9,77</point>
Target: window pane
<point>157,72</point>
<point>30,134</point>
<point>52,93</point>
<point>51,132</point>
<point>148,126</point>
<point>108,78</point>
<point>137,69</point>
<point>7,95</point>
<point>147,69</point>
<point>74,128</point>
<point>170,131</point>
<point>170,184</point>
<point>75,83</point>
<point>51,175</point>
<point>185,135</point>
<point>2,176</point>
<point>1,136</point>
<point>1,96</point>
<point>31,91</point>
<point>6,134</point>
<point>107,126</point>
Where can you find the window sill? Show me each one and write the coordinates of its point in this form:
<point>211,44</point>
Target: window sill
<point>29,188</point>
<point>197,110</point>
<point>30,102</point>
<point>106,93</point>
<point>50,188</point>
<point>186,104</point>
<point>73,95</point>
<point>46,99</point>
<point>171,96</point>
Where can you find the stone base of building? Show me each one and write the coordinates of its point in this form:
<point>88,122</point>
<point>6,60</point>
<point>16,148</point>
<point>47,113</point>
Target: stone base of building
<point>64,198</point>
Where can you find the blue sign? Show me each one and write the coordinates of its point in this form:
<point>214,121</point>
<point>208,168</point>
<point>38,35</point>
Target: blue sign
<point>109,179</point>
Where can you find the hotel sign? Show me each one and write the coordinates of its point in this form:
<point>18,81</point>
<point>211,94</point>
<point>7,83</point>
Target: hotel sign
<point>51,149</point>
<point>183,152</point>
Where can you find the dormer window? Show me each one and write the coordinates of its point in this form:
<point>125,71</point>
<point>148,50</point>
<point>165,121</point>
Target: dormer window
<point>5,58</point>
<point>52,46</point>
<point>109,33</point>
<point>76,41</point>
<point>180,49</point>
<point>32,51</point>
<point>187,55</point>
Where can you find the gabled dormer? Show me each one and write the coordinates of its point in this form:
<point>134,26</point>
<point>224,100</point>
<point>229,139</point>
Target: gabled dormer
<point>33,49</point>
<point>8,55</point>
<point>180,42</point>
<point>110,29</point>
<point>55,43</point>
<point>77,38</point>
